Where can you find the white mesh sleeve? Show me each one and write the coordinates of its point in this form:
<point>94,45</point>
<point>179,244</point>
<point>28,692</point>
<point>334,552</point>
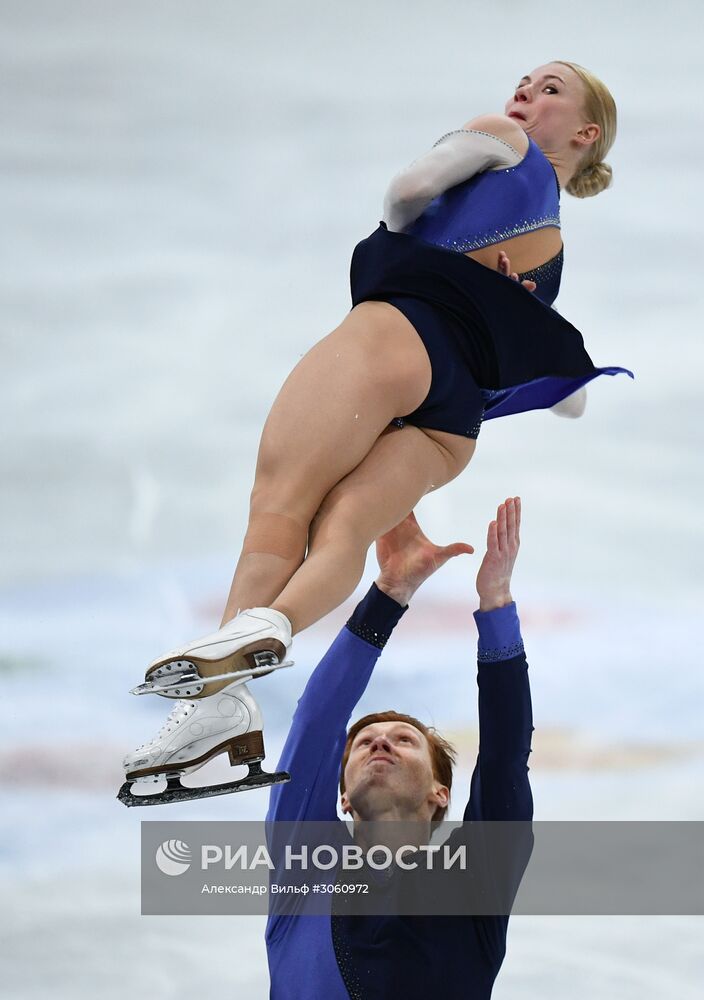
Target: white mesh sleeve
<point>454,158</point>
<point>571,406</point>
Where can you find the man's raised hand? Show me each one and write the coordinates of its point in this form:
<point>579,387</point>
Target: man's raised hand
<point>502,544</point>
<point>407,558</point>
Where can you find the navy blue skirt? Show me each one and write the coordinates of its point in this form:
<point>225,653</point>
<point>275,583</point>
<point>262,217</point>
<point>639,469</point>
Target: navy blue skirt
<point>494,347</point>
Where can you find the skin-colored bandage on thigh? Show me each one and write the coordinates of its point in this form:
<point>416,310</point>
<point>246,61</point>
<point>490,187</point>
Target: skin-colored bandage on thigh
<point>275,535</point>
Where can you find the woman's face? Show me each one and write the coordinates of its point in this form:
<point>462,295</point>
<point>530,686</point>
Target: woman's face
<point>548,105</point>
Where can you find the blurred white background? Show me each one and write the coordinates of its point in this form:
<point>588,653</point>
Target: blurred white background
<point>183,184</point>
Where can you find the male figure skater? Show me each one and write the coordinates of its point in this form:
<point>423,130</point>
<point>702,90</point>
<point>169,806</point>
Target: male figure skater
<point>390,766</point>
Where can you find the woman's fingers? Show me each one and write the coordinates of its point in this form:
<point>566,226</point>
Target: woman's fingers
<point>504,267</point>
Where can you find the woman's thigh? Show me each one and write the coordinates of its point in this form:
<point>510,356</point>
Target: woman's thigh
<point>336,403</point>
<point>404,465</point>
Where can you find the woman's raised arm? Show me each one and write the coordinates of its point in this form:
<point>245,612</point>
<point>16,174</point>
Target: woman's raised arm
<point>455,157</point>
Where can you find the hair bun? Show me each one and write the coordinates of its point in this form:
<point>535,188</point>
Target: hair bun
<point>592,179</point>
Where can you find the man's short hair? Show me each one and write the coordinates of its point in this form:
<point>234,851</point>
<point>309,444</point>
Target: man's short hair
<point>442,754</point>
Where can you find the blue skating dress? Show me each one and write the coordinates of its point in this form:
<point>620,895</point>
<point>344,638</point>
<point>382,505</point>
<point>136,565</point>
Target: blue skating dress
<point>495,348</point>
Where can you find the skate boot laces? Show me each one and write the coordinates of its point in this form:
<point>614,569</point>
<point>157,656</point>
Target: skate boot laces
<point>178,714</point>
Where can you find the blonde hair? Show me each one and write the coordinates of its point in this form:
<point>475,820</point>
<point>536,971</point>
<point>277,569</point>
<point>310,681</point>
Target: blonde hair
<point>594,175</point>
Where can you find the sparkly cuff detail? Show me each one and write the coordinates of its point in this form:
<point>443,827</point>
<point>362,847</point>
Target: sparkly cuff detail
<point>499,634</point>
<point>500,653</point>
<point>375,617</point>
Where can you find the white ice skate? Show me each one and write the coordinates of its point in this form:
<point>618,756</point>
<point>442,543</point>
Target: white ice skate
<point>216,712</point>
<point>254,643</point>
<point>195,732</point>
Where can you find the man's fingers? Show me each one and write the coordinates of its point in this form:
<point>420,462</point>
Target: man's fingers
<point>501,525</point>
<point>517,503</point>
<point>492,541</point>
<point>510,521</point>
<point>458,549</point>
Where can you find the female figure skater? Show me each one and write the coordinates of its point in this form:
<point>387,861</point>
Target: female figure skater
<point>388,406</point>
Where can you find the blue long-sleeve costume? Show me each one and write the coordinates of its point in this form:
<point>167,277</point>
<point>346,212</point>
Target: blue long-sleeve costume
<point>379,956</point>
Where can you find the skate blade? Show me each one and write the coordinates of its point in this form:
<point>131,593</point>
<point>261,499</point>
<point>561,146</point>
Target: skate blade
<point>186,682</point>
<point>176,792</point>
<point>256,658</point>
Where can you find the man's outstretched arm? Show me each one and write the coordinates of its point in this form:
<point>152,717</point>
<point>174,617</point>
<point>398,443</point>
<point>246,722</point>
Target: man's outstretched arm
<point>316,740</point>
<point>500,789</point>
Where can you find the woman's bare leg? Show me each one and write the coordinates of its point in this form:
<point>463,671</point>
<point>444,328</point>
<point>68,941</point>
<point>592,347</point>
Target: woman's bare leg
<point>330,411</point>
<point>402,467</point>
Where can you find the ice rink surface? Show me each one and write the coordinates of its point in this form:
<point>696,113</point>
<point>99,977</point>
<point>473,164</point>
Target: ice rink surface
<point>183,184</point>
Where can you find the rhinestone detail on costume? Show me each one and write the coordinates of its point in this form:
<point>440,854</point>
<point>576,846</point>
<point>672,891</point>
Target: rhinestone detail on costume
<point>370,635</point>
<point>544,272</point>
<point>499,235</point>
<point>343,955</point>
<point>500,653</point>
<point>473,431</point>
<point>478,131</point>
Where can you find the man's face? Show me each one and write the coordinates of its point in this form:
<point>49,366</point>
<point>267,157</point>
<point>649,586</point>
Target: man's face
<point>389,773</point>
